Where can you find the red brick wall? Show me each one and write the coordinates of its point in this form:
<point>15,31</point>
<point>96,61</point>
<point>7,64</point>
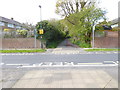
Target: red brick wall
<point>19,43</point>
<point>109,41</point>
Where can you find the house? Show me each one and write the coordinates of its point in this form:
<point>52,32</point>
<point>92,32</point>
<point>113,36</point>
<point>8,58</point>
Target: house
<point>9,24</point>
<point>114,23</point>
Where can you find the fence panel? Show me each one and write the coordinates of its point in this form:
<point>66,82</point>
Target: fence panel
<point>106,39</point>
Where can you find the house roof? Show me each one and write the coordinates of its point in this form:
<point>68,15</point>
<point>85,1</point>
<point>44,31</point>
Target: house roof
<point>3,19</point>
<point>114,21</point>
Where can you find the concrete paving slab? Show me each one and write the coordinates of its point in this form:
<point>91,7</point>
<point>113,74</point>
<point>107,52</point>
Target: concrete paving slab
<point>66,79</point>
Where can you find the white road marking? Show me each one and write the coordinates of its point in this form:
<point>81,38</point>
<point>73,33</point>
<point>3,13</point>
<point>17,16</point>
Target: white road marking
<point>115,62</point>
<point>50,64</point>
<point>63,64</point>
<point>34,65</point>
<point>40,64</point>
<point>90,63</point>
<point>108,61</point>
<point>17,54</point>
<point>68,64</point>
<point>1,63</point>
<point>15,64</point>
<point>71,65</point>
<point>26,66</point>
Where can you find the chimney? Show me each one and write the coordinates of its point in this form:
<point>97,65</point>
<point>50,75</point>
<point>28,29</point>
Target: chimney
<point>11,18</point>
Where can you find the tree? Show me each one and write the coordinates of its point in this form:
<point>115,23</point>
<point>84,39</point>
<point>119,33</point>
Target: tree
<point>22,33</point>
<point>28,26</point>
<point>59,26</point>
<point>51,30</point>
<point>68,7</point>
<point>53,34</point>
<point>79,19</point>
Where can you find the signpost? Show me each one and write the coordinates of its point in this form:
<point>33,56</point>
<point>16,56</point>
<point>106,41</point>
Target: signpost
<point>41,31</point>
<point>93,36</point>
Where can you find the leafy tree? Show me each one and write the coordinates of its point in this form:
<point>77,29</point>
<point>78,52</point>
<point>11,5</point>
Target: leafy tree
<point>23,33</point>
<point>28,26</point>
<point>80,16</point>
<point>52,30</point>
<point>58,24</point>
<point>68,7</point>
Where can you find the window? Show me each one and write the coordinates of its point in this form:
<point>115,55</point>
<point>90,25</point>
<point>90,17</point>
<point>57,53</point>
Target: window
<point>2,24</point>
<point>10,25</point>
<point>18,27</point>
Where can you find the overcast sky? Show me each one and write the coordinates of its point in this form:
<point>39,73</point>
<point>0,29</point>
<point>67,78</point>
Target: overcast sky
<point>28,10</point>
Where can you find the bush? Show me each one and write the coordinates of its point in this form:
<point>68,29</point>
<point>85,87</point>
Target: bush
<point>115,29</point>
<point>53,44</point>
<point>23,33</point>
<point>82,44</point>
<point>85,45</point>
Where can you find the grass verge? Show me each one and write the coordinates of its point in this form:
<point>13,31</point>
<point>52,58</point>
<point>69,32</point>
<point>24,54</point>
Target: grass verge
<point>22,51</point>
<point>104,49</point>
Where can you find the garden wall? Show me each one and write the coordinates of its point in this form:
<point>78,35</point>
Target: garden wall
<point>19,43</point>
<point>108,40</point>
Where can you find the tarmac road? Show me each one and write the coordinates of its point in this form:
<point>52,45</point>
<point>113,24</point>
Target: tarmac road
<point>75,58</point>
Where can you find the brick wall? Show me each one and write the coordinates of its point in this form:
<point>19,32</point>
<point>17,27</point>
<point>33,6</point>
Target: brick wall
<point>109,41</point>
<point>19,43</point>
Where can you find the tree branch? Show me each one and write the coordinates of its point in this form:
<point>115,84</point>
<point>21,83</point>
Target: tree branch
<point>70,21</point>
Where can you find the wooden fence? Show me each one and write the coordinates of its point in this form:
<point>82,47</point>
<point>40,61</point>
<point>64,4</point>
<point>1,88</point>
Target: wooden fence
<point>107,39</point>
<point>19,43</point>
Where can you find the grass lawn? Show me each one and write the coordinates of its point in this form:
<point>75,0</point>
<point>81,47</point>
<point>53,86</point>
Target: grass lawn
<point>22,51</point>
<point>101,49</point>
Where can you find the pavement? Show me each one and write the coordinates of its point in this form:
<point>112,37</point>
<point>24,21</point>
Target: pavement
<point>83,78</point>
<point>66,47</point>
<point>71,50</point>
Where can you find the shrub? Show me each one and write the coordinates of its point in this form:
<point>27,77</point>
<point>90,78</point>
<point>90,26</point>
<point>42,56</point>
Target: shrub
<point>85,45</point>
<point>53,44</point>
<point>115,29</point>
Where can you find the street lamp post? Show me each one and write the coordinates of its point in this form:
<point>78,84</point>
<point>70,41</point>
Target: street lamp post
<point>41,45</point>
<point>40,12</point>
